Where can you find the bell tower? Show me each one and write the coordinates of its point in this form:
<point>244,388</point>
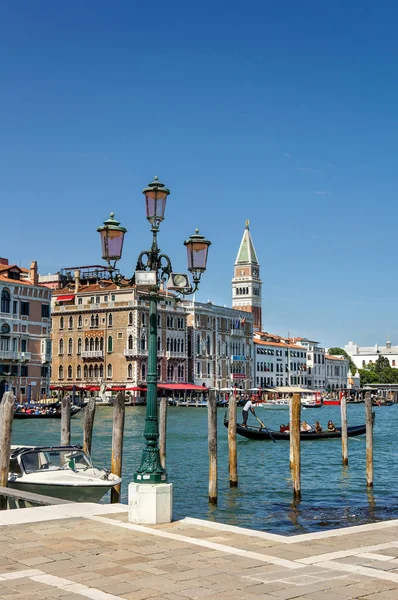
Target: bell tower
<point>246,283</point>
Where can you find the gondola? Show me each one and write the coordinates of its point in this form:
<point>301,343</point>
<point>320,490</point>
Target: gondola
<point>255,433</point>
<point>18,414</point>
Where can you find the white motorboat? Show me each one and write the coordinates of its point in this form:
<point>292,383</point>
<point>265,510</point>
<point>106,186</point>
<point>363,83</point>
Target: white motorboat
<point>64,472</point>
<point>279,404</point>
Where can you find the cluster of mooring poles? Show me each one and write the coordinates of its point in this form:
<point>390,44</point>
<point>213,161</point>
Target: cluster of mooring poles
<point>295,450</point>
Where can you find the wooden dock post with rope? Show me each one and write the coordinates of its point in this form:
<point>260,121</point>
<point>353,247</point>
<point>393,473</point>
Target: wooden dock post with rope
<point>295,444</point>
<point>233,457</point>
<point>212,441</point>
<point>344,436</point>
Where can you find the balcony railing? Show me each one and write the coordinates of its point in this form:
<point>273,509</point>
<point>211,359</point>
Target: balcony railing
<point>10,355</point>
<point>92,354</point>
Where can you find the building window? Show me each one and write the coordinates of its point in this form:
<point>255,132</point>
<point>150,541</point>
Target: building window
<point>44,372</point>
<point>78,372</point>
<point>143,342</point>
<point>143,371</point>
<point>61,323</point>
<point>70,346</point>
<point>130,342</point>
<point>60,372</point>
<point>130,371</point>
<point>6,301</point>
<point>159,343</point>
<point>24,308</point>
<point>80,322</point>
<point>69,372</point>
<point>110,344</point>
<point>130,318</point>
<point>143,318</point>
<point>70,326</point>
<point>101,371</point>
<point>85,371</point>
<point>80,300</point>
<point>110,320</point>
<point>109,371</point>
<point>61,346</point>
<point>113,298</point>
<point>15,307</point>
<point>45,310</point>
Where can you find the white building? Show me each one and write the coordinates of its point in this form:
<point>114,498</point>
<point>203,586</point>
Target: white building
<point>363,355</point>
<point>278,361</point>
<point>220,345</point>
<point>316,368</point>
<point>337,368</point>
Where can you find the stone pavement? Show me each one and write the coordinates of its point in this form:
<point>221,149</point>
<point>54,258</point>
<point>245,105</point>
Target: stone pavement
<point>83,551</point>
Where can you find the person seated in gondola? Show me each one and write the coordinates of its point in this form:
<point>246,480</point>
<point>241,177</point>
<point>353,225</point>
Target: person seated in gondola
<point>284,428</point>
<point>317,427</point>
<point>305,427</point>
<point>331,426</point>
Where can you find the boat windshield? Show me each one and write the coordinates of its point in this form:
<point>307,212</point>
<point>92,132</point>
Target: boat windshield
<point>53,460</point>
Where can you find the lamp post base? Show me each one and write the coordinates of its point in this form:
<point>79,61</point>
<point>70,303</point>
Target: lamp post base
<point>150,504</point>
<point>150,478</point>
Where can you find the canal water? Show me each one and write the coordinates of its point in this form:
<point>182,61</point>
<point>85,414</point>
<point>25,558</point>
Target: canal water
<point>332,496</point>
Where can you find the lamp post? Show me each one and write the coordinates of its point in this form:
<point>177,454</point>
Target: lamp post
<point>152,271</point>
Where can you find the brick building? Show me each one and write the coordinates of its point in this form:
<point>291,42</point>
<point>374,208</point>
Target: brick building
<point>25,347</point>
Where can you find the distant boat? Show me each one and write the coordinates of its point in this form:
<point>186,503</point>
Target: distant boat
<point>53,413</point>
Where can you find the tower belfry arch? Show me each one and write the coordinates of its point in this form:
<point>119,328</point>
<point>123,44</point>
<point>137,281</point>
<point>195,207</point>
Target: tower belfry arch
<point>246,282</point>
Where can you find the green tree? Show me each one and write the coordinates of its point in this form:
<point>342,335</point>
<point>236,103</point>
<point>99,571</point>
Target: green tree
<point>340,352</point>
<point>381,364</point>
<point>368,376</point>
<point>389,375</point>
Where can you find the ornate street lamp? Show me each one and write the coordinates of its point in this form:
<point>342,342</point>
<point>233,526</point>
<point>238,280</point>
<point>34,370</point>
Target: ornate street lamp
<point>152,272</point>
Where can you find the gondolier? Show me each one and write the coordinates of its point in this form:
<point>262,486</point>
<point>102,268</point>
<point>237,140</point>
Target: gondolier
<point>245,412</point>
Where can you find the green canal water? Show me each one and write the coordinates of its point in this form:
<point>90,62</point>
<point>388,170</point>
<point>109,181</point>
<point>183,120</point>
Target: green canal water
<point>332,496</point>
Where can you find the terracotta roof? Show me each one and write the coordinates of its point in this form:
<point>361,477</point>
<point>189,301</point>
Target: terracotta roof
<point>334,357</point>
<point>18,281</point>
<point>279,344</point>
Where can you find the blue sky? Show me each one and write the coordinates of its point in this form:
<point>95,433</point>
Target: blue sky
<point>284,113</point>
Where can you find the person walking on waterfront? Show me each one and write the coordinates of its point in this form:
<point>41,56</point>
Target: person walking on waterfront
<point>245,412</point>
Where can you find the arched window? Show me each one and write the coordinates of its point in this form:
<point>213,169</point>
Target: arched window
<point>101,371</point>
<point>5,301</point>
<point>96,343</point>
<point>96,320</point>
<point>91,344</point>
<point>92,321</point>
<point>143,371</point>
<point>61,323</point>
<point>168,345</point>
<point>110,320</point>
<point>78,372</point>
<point>159,321</point>
<point>80,321</point>
<point>198,344</point>
<point>159,344</point>
<point>175,345</point>
<point>130,371</point>
<point>60,372</point>
<point>110,344</point>
<point>143,342</point>
<point>109,371</point>
<point>69,372</point>
<point>87,344</point>
<point>130,322</point>
<point>143,318</point>
<point>393,363</point>
<point>96,371</point>
<point>70,346</point>
<point>101,343</point>
<point>208,345</point>
<point>70,326</point>
<point>178,345</point>
<point>182,345</point>
<point>61,346</point>
<point>85,371</point>
<point>159,368</point>
<point>90,371</point>
<point>130,342</point>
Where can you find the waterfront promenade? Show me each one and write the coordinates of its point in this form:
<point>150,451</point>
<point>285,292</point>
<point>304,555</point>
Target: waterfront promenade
<point>78,551</point>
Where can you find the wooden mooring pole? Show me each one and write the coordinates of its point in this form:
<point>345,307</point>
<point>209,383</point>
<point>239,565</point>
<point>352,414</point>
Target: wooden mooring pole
<point>162,431</point>
<point>65,421</point>
<point>295,445</point>
<point>212,439</point>
<point>6,418</point>
<point>369,440</point>
<point>119,408</point>
<point>233,457</point>
<point>290,428</point>
<point>89,414</point>
<point>344,436</point>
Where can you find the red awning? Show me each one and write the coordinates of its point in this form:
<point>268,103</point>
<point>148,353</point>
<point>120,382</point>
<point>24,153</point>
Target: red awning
<point>136,389</point>
<point>117,388</point>
<point>182,386</point>
<point>65,298</point>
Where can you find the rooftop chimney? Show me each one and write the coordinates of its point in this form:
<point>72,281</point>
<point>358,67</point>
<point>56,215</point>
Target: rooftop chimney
<point>33,276</point>
<point>3,261</point>
<point>77,280</point>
